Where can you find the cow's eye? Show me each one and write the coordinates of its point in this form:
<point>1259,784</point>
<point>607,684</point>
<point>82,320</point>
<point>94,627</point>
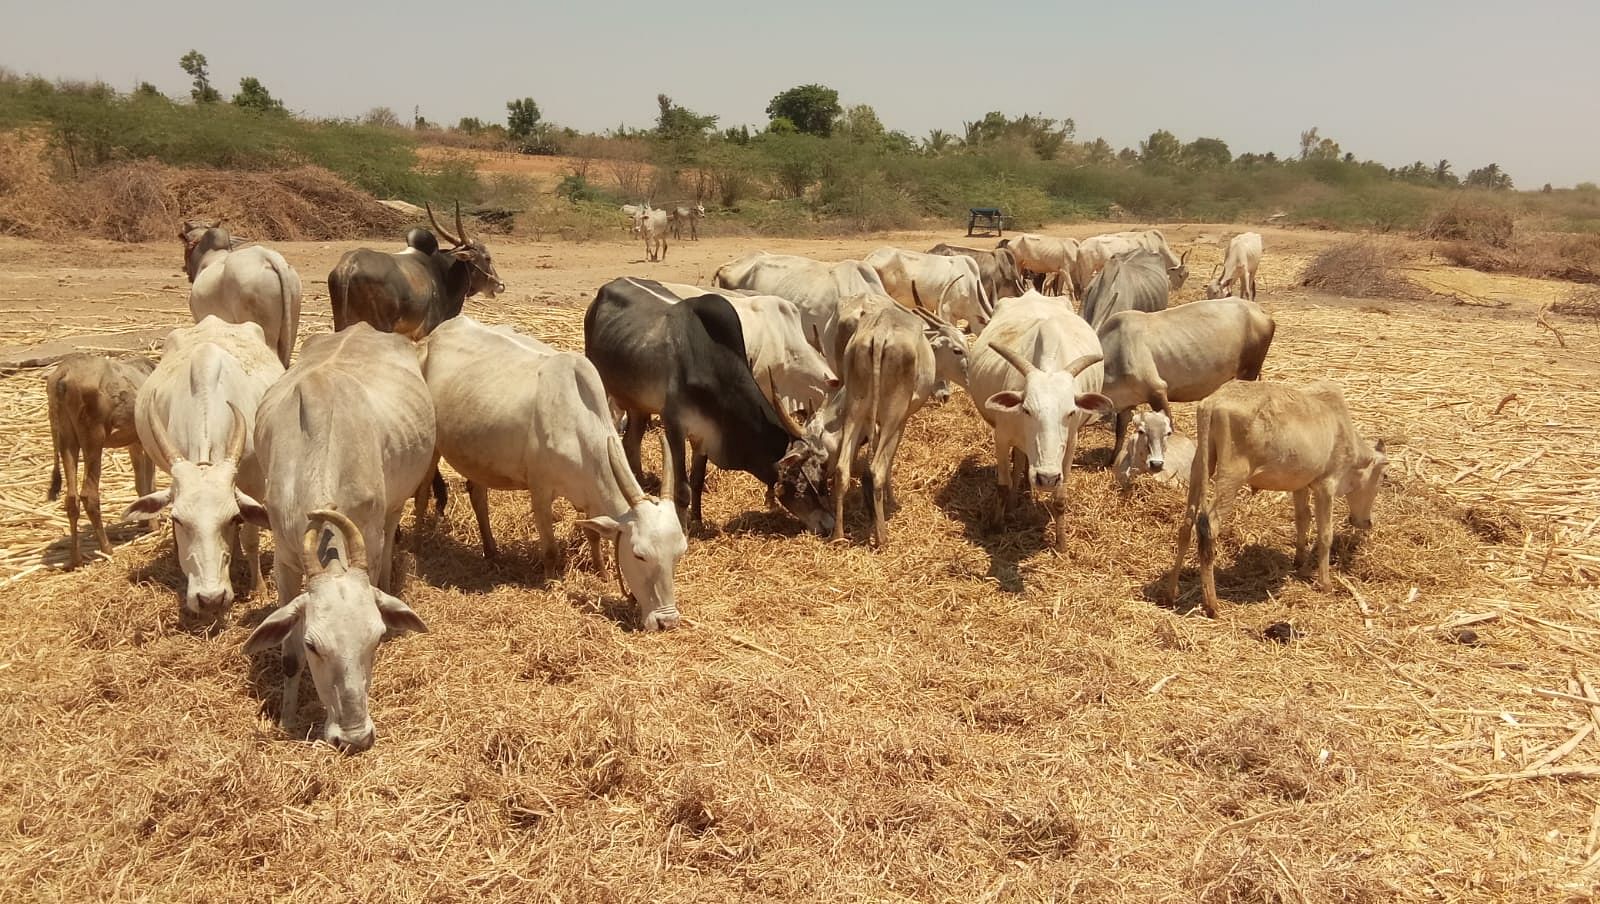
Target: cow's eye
<point>312,649</point>
<point>641,558</point>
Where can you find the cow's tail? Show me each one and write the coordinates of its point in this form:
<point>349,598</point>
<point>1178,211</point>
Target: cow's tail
<point>868,484</point>
<point>55,405</point>
<point>288,325</point>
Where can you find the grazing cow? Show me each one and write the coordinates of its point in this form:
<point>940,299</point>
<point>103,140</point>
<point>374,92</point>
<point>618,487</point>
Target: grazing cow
<point>1244,258</point>
<point>1094,253</point>
<point>1273,436</point>
<point>891,369</point>
<point>1153,241</point>
<point>1130,282</point>
<point>1155,449</point>
<point>1036,380</point>
<point>651,224</point>
<point>1046,257</point>
<point>999,269</point>
<point>953,282</point>
<point>547,430</point>
<point>815,287</point>
<point>250,285</point>
<point>683,213</point>
<point>415,290</point>
<point>345,438</point>
<point>91,405</point>
<point>776,343</point>
<point>686,361</point>
<point>194,416</point>
<point>335,625</point>
<point>1182,354</point>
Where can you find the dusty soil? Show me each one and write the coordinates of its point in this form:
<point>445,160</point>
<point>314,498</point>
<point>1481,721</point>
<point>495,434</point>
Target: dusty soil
<point>963,716</point>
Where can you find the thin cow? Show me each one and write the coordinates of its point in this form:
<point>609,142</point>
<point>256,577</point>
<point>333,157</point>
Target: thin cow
<point>1240,266</point>
<point>999,268</point>
<point>248,285</point>
<point>1135,281</point>
<point>1273,436</point>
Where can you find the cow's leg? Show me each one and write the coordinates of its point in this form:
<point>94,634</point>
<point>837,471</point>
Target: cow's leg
<point>544,520</point>
<point>882,467</point>
<point>429,482</point>
<point>1185,528</point>
<point>69,470</point>
<point>1324,502</point>
<point>663,249</point>
<point>479,494</point>
<point>250,538</point>
<point>1124,418</point>
<point>682,494</point>
<point>286,575</point>
<point>697,485</point>
<point>93,456</point>
<point>395,563</point>
<point>1003,469</point>
<point>1059,495</point>
<point>632,437</point>
<point>1302,523</point>
<point>144,470</point>
<point>849,441</point>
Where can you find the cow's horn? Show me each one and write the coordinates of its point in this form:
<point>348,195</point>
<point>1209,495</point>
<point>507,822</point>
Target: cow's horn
<point>461,230</point>
<point>163,440</point>
<point>1215,270</point>
<point>355,545</point>
<point>1082,364</point>
<point>236,435</point>
<point>1023,365</point>
<point>668,488</point>
<point>313,565</point>
<point>916,297</point>
<point>440,229</point>
<point>784,417</point>
<point>622,473</point>
<point>1184,256</point>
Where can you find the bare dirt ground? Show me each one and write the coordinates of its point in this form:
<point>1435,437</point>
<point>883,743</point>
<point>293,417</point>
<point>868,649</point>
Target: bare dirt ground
<point>963,716</point>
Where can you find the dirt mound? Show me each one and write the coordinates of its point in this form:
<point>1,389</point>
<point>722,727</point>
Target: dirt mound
<point>144,201</point>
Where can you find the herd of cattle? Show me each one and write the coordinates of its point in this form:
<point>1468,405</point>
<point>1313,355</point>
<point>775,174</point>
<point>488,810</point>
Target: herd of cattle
<point>325,449</point>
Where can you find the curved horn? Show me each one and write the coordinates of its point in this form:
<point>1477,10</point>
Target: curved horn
<point>462,230</point>
<point>355,545</point>
<point>236,436</point>
<point>784,417</point>
<point>916,297</point>
<point>1080,365</point>
<point>621,472</point>
<point>1215,270</point>
<point>440,229</point>
<point>1184,256</point>
<point>668,489</point>
<point>311,563</point>
<point>1023,365</point>
<point>816,337</point>
<point>163,440</point>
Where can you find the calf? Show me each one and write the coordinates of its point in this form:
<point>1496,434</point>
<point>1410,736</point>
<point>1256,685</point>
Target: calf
<point>687,362</point>
<point>91,405</point>
<point>651,225</point>
<point>547,430</point>
<point>1240,265</point>
<point>1181,354</point>
<point>684,213</point>
<point>1155,449</point>
<point>1272,436</point>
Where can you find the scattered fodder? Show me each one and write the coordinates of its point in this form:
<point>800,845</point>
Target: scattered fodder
<point>1490,226</point>
<point>1361,268</point>
<point>1580,303</point>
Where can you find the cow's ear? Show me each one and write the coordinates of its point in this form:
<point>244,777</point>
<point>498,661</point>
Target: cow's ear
<point>250,510</point>
<point>272,632</point>
<point>146,507</point>
<point>1094,401</point>
<point>464,253</point>
<point>1004,401</point>
<point>397,616</point>
<point>602,526</point>
<point>1379,447</point>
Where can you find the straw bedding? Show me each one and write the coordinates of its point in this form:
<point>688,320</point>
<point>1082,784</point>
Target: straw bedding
<point>963,716</point>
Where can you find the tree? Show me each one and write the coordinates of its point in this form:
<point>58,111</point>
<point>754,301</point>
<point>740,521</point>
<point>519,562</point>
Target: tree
<point>522,119</point>
<point>194,63</point>
<point>811,108</point>
<point>1207,153</point>
<point>382,117</point>
<point>861,124</point>
<point>937,142</point>
<point>676,122</point>
<point>1161,147</point>
<point>1100,151</point>
<point>1443,175</point>
<point>254,96</point>
<point>1490,177</point>
<point>1314,147</point>
<point>471,125</point>
<point>145,89</point>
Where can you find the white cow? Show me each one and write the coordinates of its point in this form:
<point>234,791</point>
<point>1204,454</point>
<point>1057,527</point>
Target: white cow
<point>1095,252</point>
<point>1155,449</point>
<point>815,287</point>
<point>345,438</point>
<point>515,414</point>
<point>251,285</point>
<point>953,284</point>
<point>194,417</point>
<point>782,357</point>
<point>1035,377</point>
<point>651,224</point>
<point>1240,265</point>
<point>1048,256</point>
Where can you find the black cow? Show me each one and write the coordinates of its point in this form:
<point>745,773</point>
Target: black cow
<point>686,362</point>
<point>1133,281</point>
<point>416,290</point>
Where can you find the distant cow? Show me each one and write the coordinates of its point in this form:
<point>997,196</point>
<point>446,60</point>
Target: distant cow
<point>686,361</point>
<point>1048,258</point>
<point>999,269</point>
<point>1155,449</point>
<point>1094,253</point>
<point>1135,281</point>
<point>249,285</point>
<point>684,213</point>
<point>1272,436</point>
<point>1182,354</point>
<point>651,225</point>
<point>1244,258</point>
<point>815,287</point>
<point>952,284</point>
<point>91,404</point>
<point>1036,379</point>
<point>415,290</point>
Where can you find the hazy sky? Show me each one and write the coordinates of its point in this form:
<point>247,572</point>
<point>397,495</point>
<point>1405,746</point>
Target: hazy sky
<point>1392,81</point>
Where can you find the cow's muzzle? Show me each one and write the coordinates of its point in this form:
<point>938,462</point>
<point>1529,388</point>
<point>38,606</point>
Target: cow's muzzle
<point>1156,465</point>
<point>1046,480</point>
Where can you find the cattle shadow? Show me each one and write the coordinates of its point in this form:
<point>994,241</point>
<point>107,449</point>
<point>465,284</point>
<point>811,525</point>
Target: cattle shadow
<point>773,522</point>
<point>969,497</point>
<point>1254,574</point>
<point>620,610</point>
<point>448,560</point>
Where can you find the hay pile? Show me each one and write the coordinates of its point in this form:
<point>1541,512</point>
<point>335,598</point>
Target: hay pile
<point>1467,223</point>
<point>963,716</point>
<point>1366,267</point>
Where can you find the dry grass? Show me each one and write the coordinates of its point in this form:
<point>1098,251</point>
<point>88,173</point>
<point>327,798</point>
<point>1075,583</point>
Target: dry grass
<point>1365,267</point>
<point>1580,303</point>
<point>1547,255</point>
<point>1466,223</point>
<point>964,716</point>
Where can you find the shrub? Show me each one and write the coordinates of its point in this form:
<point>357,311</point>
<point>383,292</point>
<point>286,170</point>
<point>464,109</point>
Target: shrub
<point>1471,223</point>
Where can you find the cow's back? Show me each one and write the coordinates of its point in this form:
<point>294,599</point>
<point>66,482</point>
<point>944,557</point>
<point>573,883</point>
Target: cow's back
<point>1288,435</point>
<point>1136,281</point>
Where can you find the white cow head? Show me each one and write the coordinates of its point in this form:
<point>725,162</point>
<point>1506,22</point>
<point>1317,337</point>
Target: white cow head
<point>648,539</point>
<point>1051,408</point>
<point>1360,482</point>
<point>207,509</point>
<point>1214,286</point>
<point>949,352</point>
<point>335,626</point>
<point>1150,432</point>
